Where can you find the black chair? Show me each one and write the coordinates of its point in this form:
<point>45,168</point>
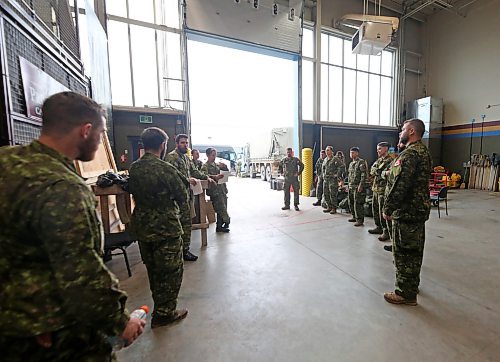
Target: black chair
<point>441,195</point>
<point>118,241</point>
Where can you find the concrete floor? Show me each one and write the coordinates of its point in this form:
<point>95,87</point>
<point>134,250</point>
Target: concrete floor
<point>305,286</point>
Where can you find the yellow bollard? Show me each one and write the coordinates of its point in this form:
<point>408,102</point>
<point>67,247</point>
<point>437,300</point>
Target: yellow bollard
<point>307,174</point>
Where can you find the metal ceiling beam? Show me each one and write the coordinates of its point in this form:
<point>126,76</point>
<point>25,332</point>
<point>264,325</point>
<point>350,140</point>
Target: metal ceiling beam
<point>417,9</point>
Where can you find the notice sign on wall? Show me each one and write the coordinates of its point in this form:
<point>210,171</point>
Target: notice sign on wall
<point>38,85</point>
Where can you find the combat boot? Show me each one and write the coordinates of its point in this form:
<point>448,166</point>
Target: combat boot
<point>188,256</point>
<point>388,248</point>
<point>333,211</point>
<point>376,230</point>
<point>384,237</point>
<point>327,210</point>
<point>352,219</point>
<point>160,321</point>
<point>286,207</point>
<point>317,203</point>
<point>359,223</point>
<point>225,225</point>
<point>394,298</point>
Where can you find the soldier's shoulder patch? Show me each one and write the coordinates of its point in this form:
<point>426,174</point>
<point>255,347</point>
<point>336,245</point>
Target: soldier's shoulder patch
<point>397,163</point>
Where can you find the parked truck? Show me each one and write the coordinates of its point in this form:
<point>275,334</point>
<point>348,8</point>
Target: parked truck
<point>264,152</point>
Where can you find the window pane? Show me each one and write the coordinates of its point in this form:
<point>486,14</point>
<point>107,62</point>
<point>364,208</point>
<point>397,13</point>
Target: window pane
<point>349,58</point>
<point>374,101</point>
<point>349,96</point>
<point>362,98</point>
<point>117,7</point>
<point>141,10</point>
<point>144,66</point>
<point>324,93</point>
<point>308,43</point>
<point>375,63</point>
<point>335,95</point>
<point>173,55</point>
<point>336,45</point>
<point>363,62</point>
<point>324,48</point>
<point>167,13</point>
<point>169,60</point>
<point>119,63</point>
<point>385,102</point>
<point>387,62</point>
<point>307,90</point>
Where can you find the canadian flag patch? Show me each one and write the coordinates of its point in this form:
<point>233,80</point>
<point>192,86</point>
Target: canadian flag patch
<point>398,162</point>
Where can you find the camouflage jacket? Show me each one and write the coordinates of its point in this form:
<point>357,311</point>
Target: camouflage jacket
<point>51,271</point>
<point>331,168</point>
<point>388,176</point>
<point>408,198</point>
<point>158,190</point>
<point>358,173</point>
<point>318,167</point>
<point>197,164</point>
<point>291,167</point>
<point>185,166</point>
<point>212,169</point>
<point>379,166</point>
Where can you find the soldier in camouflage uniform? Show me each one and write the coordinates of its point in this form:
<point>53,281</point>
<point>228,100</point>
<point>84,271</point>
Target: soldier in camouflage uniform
<point>218,192</point>
<point>318,167</point>
<point>158,190</point>
<point>358,181</point>
<point>408,206</point>
<point>291,168</point>
<point>179,159</point>
<point>331,168</point>
<point>58,301</point>
<point>378,187</point>
<point>196,162</point>
<point>389,178</point>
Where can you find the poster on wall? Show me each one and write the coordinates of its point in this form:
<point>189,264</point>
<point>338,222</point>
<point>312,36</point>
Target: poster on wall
<point>38,85</point>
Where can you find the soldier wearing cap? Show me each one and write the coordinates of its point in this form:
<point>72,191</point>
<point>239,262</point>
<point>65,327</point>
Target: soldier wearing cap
<point>378,187</point>
<point>358,181</point>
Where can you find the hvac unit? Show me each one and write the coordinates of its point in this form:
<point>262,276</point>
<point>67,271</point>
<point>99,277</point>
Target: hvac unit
<point>371,38</point>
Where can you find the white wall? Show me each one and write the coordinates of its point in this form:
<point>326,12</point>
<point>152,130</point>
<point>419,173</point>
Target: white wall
<point>463,61</point>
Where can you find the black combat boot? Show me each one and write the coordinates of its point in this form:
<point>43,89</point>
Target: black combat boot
<point>220,228</point>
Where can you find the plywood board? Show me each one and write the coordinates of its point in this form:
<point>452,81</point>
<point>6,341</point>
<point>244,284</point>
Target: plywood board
<point>104,161</point>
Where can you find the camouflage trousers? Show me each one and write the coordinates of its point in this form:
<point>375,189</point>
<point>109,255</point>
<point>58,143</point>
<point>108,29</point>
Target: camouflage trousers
<point>357,203</point>
<point>377,209</point>
<point>296,190</point>
<point>165,266</point>
<point>408,251</point>
<point>331,190</point>
<point>319,188</point>
<point>74,343</point>
<point>187,226</point>
<point>219,202</point>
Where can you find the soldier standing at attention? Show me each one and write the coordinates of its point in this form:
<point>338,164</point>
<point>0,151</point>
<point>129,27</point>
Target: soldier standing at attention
<point>197,163</point>
<point>58,301</point>
<point>331,168</point>
<point>319,177</point>
<point>408,206</point>
<point>179,159</point>
<point>342,171</point>
<point>291,167</point>
<point>159,189</point>
<point>378,187</point>
<point>217,193</point>
<point>358,179</point>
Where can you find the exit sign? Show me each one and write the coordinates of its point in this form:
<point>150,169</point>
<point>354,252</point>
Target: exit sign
<point>145,119</point>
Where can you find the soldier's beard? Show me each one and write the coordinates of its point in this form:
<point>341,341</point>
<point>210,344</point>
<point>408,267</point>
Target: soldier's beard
<point>404,140</point>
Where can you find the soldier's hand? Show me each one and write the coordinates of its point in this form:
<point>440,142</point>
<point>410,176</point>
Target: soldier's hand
<point>192,181</point>
<point>134,329</point>
<point>360,188</point>
<point>387,217</point>
<point>211,181</point>
<point>219,176</point>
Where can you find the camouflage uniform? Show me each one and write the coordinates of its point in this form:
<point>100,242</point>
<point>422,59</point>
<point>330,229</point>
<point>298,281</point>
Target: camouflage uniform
<point>187,168</point>
<point>389,181</point>
<point>409,205</point>
<point>319,173</point>
<point>331,168</point>
<point>291,168</point>
<point>52,276</point>
<point>158,190</point>
<point>197,164</point>
<point>381,165</point>
<point>357,176</point>
<point>218,194</point>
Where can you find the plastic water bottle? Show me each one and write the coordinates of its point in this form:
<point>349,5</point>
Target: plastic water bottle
<point>117,342</point>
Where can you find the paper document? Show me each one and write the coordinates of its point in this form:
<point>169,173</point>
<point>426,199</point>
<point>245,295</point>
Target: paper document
<point>197,189</point>
<point>225,178</point>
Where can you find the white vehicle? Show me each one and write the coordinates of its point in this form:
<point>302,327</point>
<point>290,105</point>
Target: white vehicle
<point>265,151</point>
<point>225,154</point>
